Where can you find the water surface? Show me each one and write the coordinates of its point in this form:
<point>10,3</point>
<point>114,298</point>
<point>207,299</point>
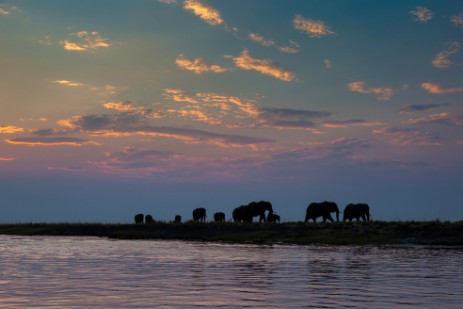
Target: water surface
<point>85,272</point>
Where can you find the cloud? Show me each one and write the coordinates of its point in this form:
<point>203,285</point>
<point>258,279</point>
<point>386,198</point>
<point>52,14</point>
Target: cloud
<point>442,58</point>
<point>7,159</point>
<point>198,65</point>
<point>168,1</point>
<point>210,107</point>
<point>410,109</point>
<point>328,63</point>
<point>442,118</point>
<point>457,20</point>
<point>4,12</point>
<point>69,83</point>
<point>86,41</point>
<point>408,136</point>
<point>381,93</point>
<point>291,49</point>
<point>128,107</point>
<point>286,118</point>
<point>422,14</point>
<point>436,89</point>
<point>130,125</point>
<point>351,123</point>
<point>48,141</point>
<point>313,28</point>
<point>206,13</point>
<point>264,66</point>
<point>10,129</point>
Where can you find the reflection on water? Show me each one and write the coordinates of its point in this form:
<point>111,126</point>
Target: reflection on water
<point>59,272</point>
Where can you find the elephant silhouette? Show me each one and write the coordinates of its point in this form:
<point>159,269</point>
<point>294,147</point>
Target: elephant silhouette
<point>139,218</point>
<point>178,219</point>
<point>273,217</point>
<point>149,219</point>
<point>199,214</point>
<point>356,211</point>
<point>245,213</point>
<point>219,217</point>
<point>323,209</point>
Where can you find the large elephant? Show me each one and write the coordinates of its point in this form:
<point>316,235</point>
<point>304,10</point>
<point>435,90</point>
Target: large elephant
<point>219,217</point>
<point>199,214</point>
<point>323,209</point>
<point>245,213</point>
<point>139,218</point>
<point>273,217</point>
<point>356,211</point>
<point>149,219</point>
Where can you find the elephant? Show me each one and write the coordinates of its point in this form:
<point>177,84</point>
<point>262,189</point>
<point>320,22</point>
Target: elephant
<point>139,218</point>
<point>273,217</point>
<point>323,209</point>
<point>149,219</point>
<point>178,219</point>
<point>219,217</point>
<point>357,211</point>
<point>199,214</point>
<point>245,213</point>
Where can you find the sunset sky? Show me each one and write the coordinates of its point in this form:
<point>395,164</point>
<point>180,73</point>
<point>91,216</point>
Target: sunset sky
<point>113,107</point>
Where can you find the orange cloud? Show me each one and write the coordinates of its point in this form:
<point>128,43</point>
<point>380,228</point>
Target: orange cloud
<point>264,66</point>
<point>49,141</point>
<point>442,58</point>
<point>86,41</point>
<point>382,93</point>
<point>198,65</point>
<point>408,136</point>
<point>436,89</point>
<point>351,123</point>
<point>292,49</point>
<point>4,12</point>
<point>68,83</point>
<point>10,130</point>
<point>127,107</point>
<point>445,118</point>
<point>206,13</point>
<point>7,159</point>
<point>313,28</point>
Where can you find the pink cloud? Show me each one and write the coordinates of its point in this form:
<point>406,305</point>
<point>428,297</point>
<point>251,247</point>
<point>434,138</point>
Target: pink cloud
<point>381,93</point>
<point>436,89</point>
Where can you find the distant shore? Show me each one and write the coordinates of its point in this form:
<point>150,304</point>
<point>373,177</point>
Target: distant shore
<point>342,233</point>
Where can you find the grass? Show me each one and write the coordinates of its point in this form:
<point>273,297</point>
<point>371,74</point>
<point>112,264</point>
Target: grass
<point>341,233</point>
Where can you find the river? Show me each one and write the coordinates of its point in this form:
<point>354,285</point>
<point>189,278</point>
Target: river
<point>91,272</point>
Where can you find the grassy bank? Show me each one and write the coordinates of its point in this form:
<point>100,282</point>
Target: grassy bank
<point>376,232</point>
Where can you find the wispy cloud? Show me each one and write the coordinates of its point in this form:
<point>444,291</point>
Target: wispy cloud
<point>422,14</point>
<point>381,93</point>
<point>287,118</point>
<point>408,136</point>
<point>265,66</point>
<point>86,41</point>
<point>48,141</point>
<point>207,13</point>
<point>168,1</point>
<point>313,28</point>
<point>69,83</point>
<point>437,89</point>
<point>441,118</point>
<point>328,63</point>
<point>4,12</point>
<point>128,107</point>
<point>457,20</point>
<point>442,60</point>
<point>198,65</point>
<point>292,48</point>
<point>351,123</point>
<point>413,108</point>
<point>10,129</point>
<point>120,125</point>
<point>7,159</point>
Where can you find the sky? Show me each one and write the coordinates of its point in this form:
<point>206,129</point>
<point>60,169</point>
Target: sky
<point>110,108</point>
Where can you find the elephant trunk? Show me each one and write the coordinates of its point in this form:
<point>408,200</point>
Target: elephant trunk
<point>337,215</point>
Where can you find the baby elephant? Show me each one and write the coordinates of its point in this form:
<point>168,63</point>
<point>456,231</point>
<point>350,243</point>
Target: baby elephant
<point>178,219</point>
<point>273,217</point>
<point>219,217</point>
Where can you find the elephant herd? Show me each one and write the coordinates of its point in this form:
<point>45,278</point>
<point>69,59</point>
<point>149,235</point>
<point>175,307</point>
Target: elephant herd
<point>246,213</point>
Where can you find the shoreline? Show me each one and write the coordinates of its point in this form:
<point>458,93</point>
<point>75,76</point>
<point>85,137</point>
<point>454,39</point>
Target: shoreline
<point>433,233</point>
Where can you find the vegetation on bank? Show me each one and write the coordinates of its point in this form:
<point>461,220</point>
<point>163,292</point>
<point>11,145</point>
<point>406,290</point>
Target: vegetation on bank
<point>339,233</point>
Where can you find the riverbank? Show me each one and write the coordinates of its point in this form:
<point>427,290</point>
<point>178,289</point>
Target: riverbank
<point>343,233</point>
